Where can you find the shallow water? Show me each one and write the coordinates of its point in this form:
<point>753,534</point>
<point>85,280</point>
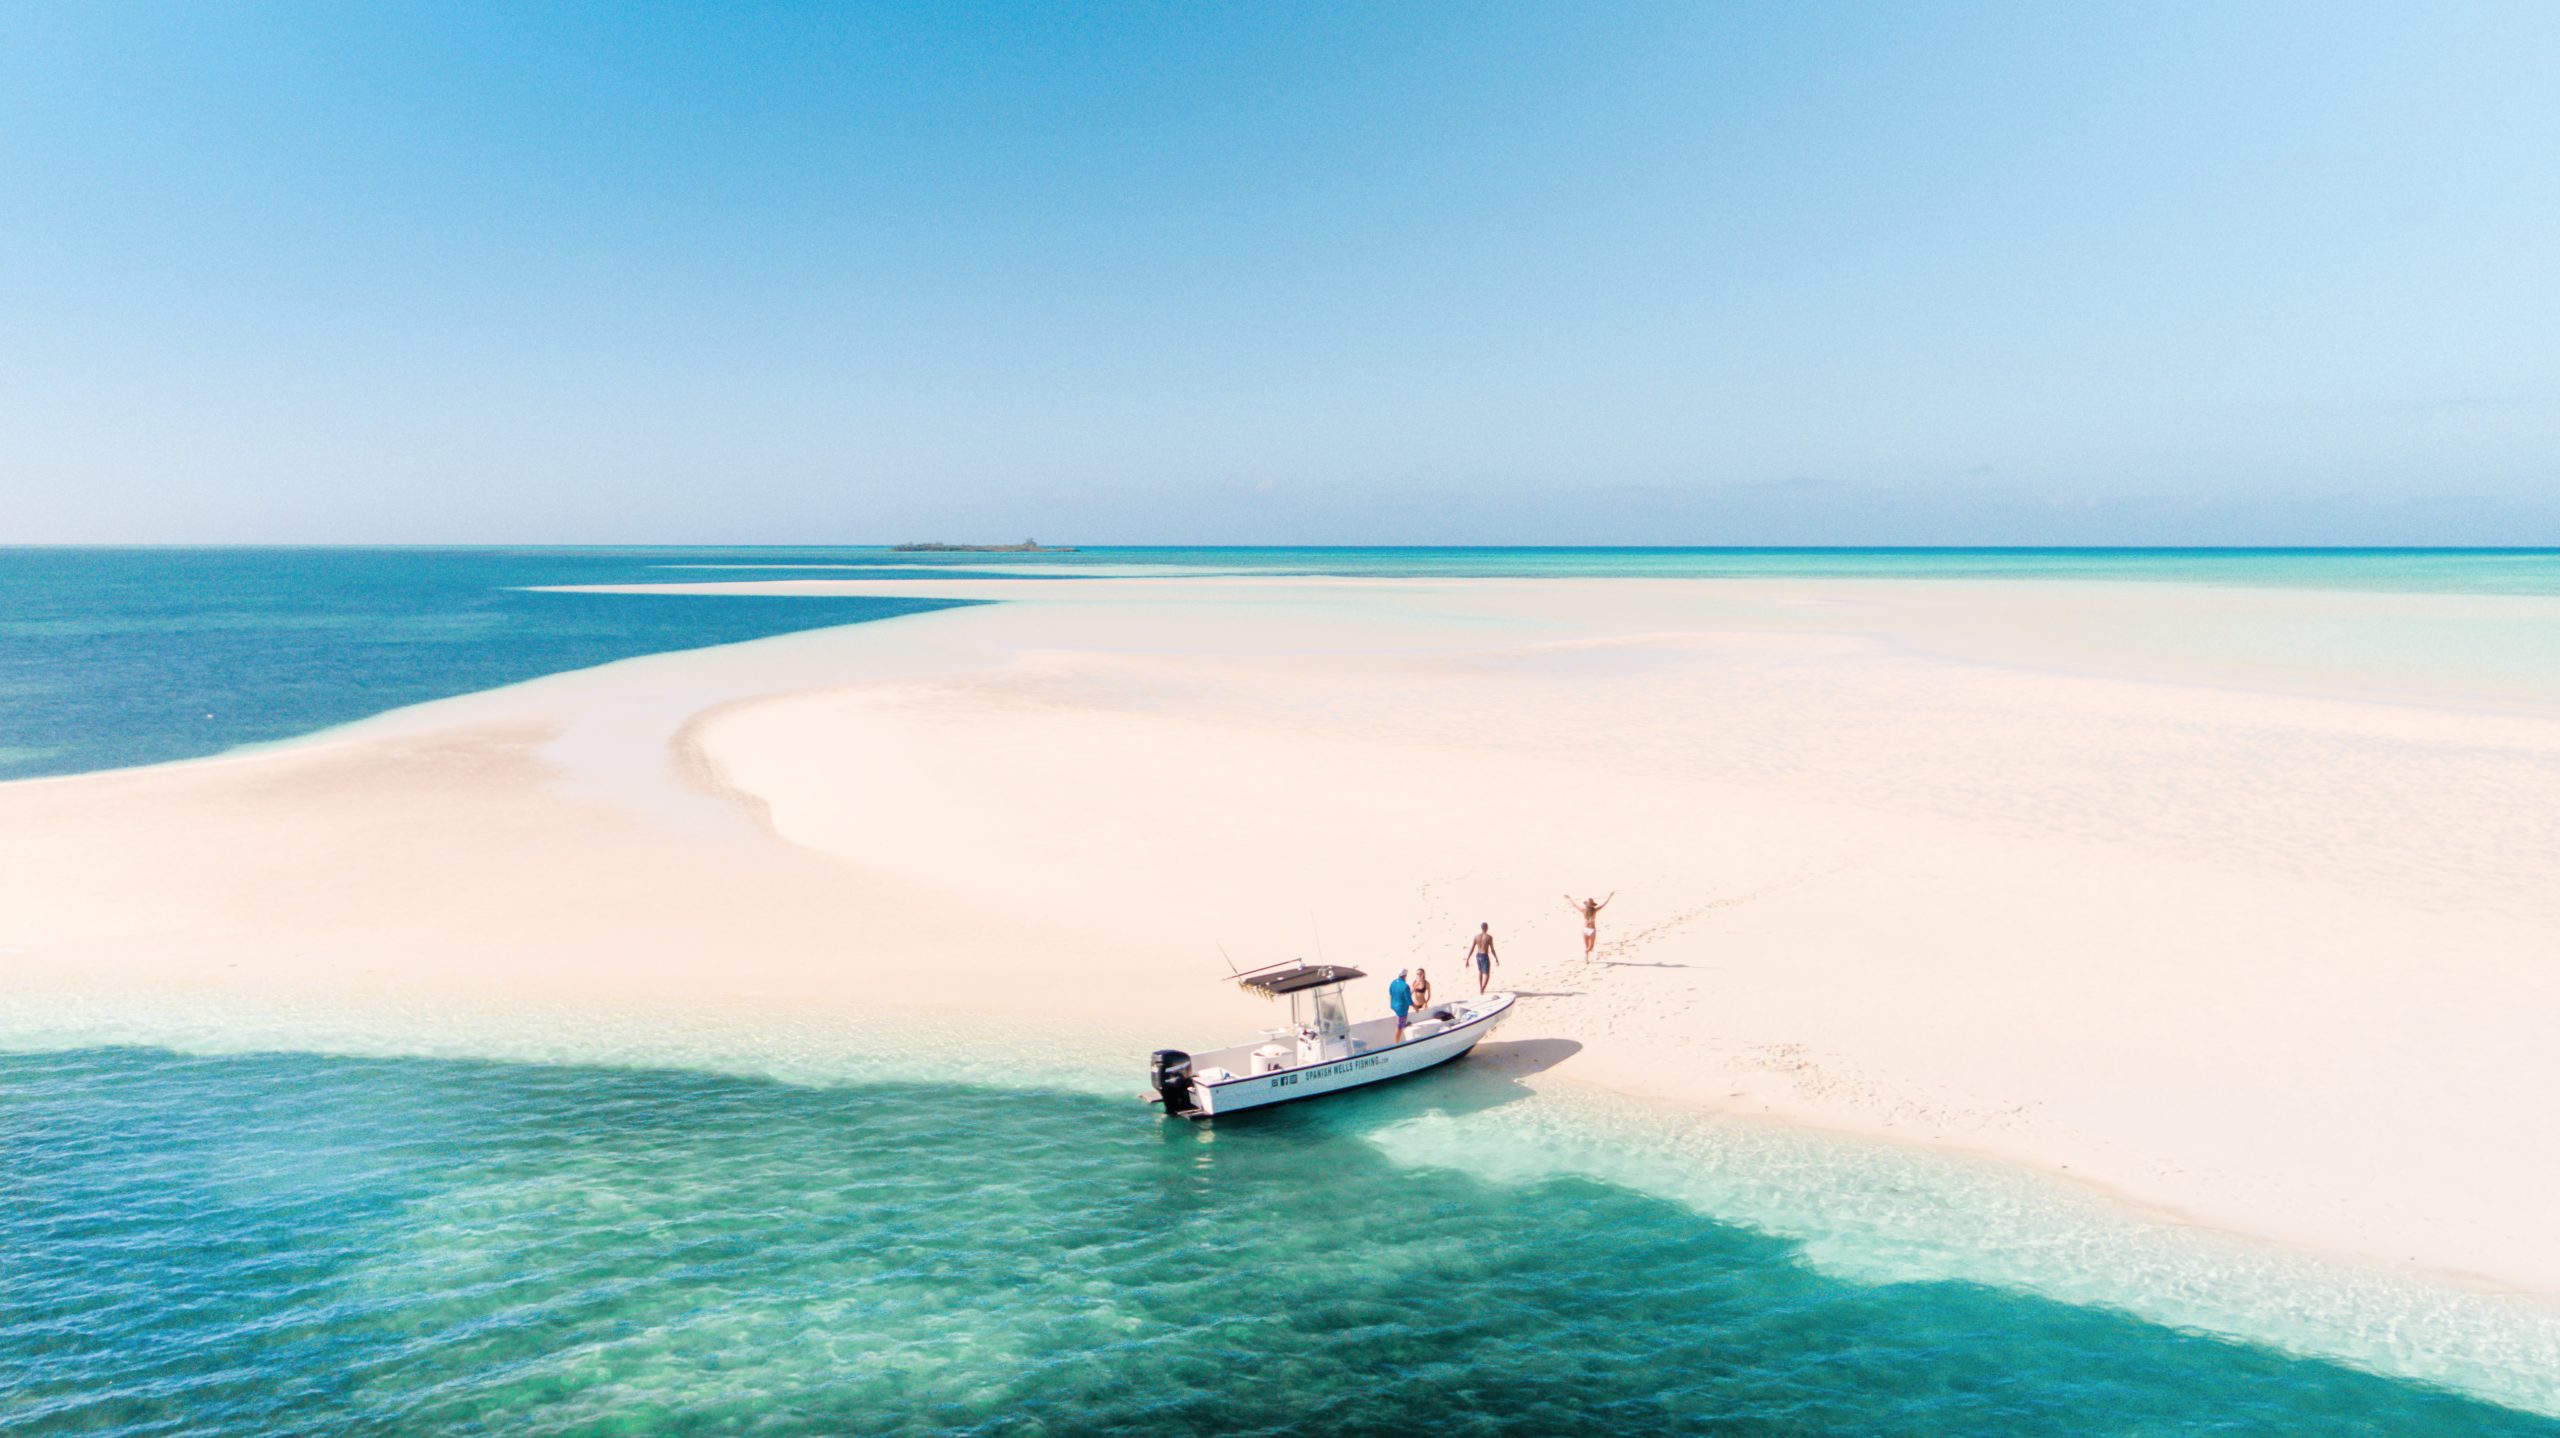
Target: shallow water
<point>2421,571</point>
<point>269,1244</point>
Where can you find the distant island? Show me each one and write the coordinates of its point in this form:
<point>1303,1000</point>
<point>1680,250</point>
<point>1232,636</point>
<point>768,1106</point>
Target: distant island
<point>1028,546</point>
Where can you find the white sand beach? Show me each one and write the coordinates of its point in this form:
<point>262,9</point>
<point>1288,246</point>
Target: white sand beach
<point>2071,875</point>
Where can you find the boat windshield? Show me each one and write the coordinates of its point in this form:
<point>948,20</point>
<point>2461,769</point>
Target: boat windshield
<point>1321,1010</point>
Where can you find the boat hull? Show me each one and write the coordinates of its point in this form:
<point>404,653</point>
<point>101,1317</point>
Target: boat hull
<point>1379,1065</point>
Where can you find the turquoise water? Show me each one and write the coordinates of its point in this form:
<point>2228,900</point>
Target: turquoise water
<point>268,1244</point>
<point>2429,571</point>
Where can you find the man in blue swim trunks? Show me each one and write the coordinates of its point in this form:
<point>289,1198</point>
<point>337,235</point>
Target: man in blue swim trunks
<point>1400,999</point>
<point>1481,950</point>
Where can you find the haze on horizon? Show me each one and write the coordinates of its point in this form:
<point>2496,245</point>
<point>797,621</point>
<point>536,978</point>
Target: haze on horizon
<point>1541,273</point>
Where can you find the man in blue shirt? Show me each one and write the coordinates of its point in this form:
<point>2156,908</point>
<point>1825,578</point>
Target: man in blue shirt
<point>1400,999</point>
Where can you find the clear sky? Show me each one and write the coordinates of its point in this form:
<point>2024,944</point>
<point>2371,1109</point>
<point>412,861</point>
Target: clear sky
<point>1238,272</point>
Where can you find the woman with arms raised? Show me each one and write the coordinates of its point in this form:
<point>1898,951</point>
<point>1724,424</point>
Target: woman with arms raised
<point>1590,911</point>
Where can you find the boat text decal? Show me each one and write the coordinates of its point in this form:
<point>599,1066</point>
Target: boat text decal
<point>1345,1066</point>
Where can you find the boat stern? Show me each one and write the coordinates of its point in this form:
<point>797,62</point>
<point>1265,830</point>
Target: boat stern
<point>1169,1076</point>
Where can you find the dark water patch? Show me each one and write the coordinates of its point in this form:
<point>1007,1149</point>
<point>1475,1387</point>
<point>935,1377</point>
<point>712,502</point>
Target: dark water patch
<point>285,1244</point>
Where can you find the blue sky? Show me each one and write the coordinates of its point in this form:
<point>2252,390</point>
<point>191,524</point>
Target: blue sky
<point>1468,273</point>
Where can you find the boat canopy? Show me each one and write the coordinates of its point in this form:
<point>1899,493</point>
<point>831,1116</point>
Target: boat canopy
<point>1289,981</point>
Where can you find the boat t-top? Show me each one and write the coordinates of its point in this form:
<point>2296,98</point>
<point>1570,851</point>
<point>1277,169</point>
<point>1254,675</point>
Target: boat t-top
<point>1321,1051</point>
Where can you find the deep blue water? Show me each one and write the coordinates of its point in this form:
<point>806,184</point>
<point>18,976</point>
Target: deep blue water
<point>117,657</point>
<point>265,1245</point>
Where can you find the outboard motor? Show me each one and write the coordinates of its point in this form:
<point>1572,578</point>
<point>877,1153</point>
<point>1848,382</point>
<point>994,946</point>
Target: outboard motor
<point>1169,1073</point>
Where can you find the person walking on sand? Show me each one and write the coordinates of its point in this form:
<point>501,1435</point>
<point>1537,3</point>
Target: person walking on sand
<point>1481,950</point>
<point>1400,999</point>
<point>1589,909</point>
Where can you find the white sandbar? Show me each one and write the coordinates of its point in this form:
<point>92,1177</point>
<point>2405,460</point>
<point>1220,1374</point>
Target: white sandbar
<point>2004,868</point>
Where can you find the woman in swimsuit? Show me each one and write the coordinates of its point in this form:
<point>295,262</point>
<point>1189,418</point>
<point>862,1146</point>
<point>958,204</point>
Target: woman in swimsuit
<point>1590,911</point>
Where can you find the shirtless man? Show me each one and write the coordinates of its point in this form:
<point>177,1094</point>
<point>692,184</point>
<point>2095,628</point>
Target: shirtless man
<point>1481,950</point>
<point>1589,909</point>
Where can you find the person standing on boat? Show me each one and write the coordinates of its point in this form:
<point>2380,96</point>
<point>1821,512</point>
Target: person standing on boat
<point>1400,999</point>
<point>1589,909</point>
<point>1422,991</point>
<point>1481,950</point>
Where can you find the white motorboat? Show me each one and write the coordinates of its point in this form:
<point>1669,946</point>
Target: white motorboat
<point>1321,1051</point>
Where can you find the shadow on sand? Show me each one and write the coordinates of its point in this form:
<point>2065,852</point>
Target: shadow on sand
<point>1520,1058</point>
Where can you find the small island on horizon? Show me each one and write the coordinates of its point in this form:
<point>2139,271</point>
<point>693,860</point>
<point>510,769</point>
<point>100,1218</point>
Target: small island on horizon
<point>1028,546</point>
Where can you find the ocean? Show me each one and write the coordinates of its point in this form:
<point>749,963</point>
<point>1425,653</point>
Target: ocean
<point>2406,571</point>
<point>118,657</point>
<point>268,1244</point>
<point>251,1242</point>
